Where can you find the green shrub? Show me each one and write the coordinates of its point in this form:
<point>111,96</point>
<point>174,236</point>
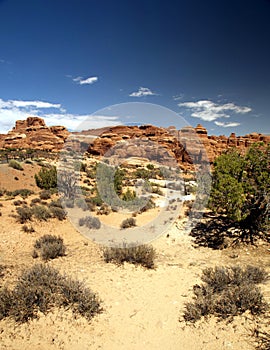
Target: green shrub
<point>35,201</point>
<point>227,292</point>
<point>135,254</point>
<point>15,165</point>
<point>41,288</point>
<point>127,223</point>
<point>50,247</point>
<point>46,178</point>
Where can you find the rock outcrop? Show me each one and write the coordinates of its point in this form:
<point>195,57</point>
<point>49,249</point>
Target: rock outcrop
<point>188,145</point>
<point>33,133</point>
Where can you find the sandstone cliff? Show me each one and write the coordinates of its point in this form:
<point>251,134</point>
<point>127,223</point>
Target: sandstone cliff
<point>33,133</point>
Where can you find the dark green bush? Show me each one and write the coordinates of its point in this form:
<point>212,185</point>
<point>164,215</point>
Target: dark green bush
<point>227,292</point>
<point>15,165</point>
<point>50,247</point>
<point>46,178</point>
<point>132,253</point>
<point>41,288</point>
<point>19,202</point>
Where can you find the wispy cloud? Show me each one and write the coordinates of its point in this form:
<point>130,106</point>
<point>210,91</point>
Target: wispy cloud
<point>143,91</point>
<point>85,81</point>
<point>178,97</point>
<point>52,113</point>
<point>209,111</point>
<point>227,125</point>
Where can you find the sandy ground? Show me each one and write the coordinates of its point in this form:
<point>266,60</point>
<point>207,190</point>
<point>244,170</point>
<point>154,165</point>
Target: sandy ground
<point>142,307</point>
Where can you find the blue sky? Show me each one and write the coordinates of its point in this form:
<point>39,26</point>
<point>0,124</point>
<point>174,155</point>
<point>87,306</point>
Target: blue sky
<point>207,61</point>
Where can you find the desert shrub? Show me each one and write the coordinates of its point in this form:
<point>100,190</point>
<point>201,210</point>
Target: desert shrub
<point>28,229</point>
<point>128,195</point>
<point>157,190</point>
<point>41,212</point>
<point>41,288</point>
<point>135,254</point>
<point>227,292</point>
<point>58,213</point>
<point>46,194</point>
<point>103,210</point>
<point>46,178</point>
<point>35,201</point>
<point>15,165</point>
<point>50,247</point>
<point>56,203</point>
<point>149,205</point>
<point>19,202</point>
<point>23,192</point>
<point>68,203</point>
<point>127,223</point>
<point>80,202</point>
<point>24,214</point>
<point>91,222</point>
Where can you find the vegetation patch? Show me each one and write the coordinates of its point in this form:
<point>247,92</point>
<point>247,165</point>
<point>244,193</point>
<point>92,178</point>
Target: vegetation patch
<point>91,222</point>
<point>15,165</point>
<point>143,255</point>
<point>41,288</point>
<point>49,247</point>
<point>227,292</point>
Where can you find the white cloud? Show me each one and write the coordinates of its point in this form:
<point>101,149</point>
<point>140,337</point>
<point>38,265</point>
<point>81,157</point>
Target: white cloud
<point>13,110</point>
<point>227,125</point>
<point>210,111</point>
<point>82,81</point>
<point>143,91</point>
<point>178,97</point>
<point>36,104</point>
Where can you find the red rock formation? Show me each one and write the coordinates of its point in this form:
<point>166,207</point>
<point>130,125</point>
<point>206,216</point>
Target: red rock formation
<point>33,133</point>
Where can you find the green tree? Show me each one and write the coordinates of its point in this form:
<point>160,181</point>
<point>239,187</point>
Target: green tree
<point>46,178</point>
<point>240,189</point>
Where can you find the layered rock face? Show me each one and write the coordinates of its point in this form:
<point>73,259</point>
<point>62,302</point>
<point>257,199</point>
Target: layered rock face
<point>188,145</point>
<point>34,134</point>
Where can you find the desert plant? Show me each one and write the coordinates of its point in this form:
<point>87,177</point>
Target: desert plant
<point>50,247</point>
<point>24,214</point>
<point>58,213</point>
<point>23,192</point>
<point>227,292</point>
<point>15,165</point>
<point>46,178</point>
<point>19,202</point>
<point>135,254</point>
<point>127,223</point>
<point>240,189</point>
<point>28,229</point>
<point>41,288</point>
<point>46,194</point>
<point>91,222</point>
<point>41,212</point>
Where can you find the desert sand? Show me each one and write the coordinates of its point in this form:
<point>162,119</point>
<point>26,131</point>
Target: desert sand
<point>142,309</point>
